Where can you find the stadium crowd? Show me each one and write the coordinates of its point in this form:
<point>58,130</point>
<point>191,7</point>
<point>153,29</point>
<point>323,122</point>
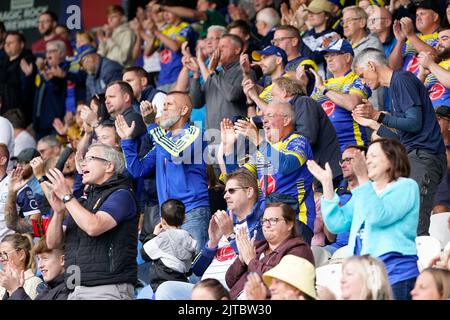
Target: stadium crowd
<point>249,149</point>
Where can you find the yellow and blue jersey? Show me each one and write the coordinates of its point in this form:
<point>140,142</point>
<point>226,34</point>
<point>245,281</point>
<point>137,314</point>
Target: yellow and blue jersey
<point>283,166</point>
<point>266,94</point>
<point>347,130</point>
<point>410,61</point>
<point>170,60</point>
<point>439,94</point>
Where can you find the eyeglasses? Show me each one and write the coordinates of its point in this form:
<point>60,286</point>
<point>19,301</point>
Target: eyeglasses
<point>212,39</point>
<point>350,20</point>
<point>373,20</point>
<point>272,115</point>
<point>4,254</point>
<point>90,158</point>
<point>233,190</point>
<point>278,40</point>
<point>345,160</point>
<point>271,221</point>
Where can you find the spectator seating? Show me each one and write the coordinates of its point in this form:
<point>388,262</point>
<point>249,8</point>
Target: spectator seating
<point>427,248</point>
<point>439,228</point>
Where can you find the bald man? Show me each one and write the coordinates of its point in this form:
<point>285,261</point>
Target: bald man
<point>177,159</point>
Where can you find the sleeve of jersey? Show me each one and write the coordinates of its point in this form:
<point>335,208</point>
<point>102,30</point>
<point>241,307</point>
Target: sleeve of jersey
<point>289,159</point>
<point>28,203</point>
<point>182,36</point>
<point>202,261</point>
<point>337,219</point>
<point>176,148</point>
<point>309,62</point>
<point>360,89</point>
<point>138,167</point>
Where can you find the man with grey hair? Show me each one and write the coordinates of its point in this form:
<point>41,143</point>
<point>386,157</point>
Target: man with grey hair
<point>48,147</point>
<point>414,121</point>
<point>266,21</point>
<point>279,161</point>
<point>100,230</point>
<point>354,21</point>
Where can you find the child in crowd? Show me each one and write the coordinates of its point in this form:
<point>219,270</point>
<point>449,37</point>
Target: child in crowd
<point>170,248</point>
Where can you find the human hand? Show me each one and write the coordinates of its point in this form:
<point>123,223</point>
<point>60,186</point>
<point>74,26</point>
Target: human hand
<point>59,126</point>
<point>398,32</point>
<point>325,176</point>
<point>249,88</point>
<point>27,68</point>
<point>148,112</point>
<point>407,26</point>
<point>365,122</point>
<point>323,293</point>
<point>11,278</point>
<point>318,80</point>
<point>228,136</point>
<point>16,181</point>
<point>287,15</point>
<point>40,63</point>
<point>78,161</point>
<point>366,110</point>
<point>89,116</point>
<point>249,130</point>
<point>254,288</point>
<point>425,59</point>
<point>245,246</point>
<point>57,72</point>
<point>244,61</point>
<point>37,164</point>
<point>214,61</point>
<point>58,183</point>
<point>359,166</point>
<point>124,131</point>
<point>158,229</point>
<point>214,233</point>
<point>224,222</point>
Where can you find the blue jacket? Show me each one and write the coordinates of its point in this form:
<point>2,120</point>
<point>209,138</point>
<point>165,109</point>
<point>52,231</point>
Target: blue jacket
<point>206,256</point>
<point>390,218</point>
<point>107,72</point>
<point>178,162</point>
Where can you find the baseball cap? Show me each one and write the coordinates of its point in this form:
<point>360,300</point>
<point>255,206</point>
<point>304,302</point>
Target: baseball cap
<point>430,5</point>
<point>27,155</point>
<point>317,6</point>
<point>296,271</point>
<point>84,50</point>
<point>341,45</point>
<point>269,51</point>
<point>443,112</point>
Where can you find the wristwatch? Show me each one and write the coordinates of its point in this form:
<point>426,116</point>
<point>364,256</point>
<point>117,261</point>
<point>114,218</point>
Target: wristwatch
<point>67,197</point>
<point>381,117</point>
<point>42,179</point>
<point>231,237</point>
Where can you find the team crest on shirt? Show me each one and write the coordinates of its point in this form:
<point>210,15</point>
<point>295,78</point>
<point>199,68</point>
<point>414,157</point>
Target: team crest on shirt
<point>165,56</point>
<point>329,107</point>
<point>271,184</point>
<point>413,65</point>
<point>436,91</point>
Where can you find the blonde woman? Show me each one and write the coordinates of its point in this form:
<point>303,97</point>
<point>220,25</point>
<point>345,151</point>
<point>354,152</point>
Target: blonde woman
<point>16,258</point>
<point>364,278</point>
<point>432,284</point>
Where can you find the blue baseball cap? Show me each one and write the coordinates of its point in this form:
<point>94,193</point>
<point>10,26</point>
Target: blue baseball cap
<point>83,51</point>
<point>340,46</point>
<point>270,51</point>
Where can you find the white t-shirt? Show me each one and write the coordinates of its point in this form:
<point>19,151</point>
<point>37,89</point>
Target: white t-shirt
<point>23,141</point>
<point>7,137</point>
<point>3,194</point>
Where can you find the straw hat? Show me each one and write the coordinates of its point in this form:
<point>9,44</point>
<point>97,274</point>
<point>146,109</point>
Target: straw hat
<point>296,271</point>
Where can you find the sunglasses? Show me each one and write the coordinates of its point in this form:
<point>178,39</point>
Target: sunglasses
<point>233,190</point>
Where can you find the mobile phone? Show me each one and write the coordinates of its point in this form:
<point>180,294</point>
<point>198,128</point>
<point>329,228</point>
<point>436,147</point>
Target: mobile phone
<point>234,119</point>
<point>257,120</point>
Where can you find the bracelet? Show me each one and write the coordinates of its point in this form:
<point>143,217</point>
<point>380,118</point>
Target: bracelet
<point>381,117</point>
<point>251,104</point>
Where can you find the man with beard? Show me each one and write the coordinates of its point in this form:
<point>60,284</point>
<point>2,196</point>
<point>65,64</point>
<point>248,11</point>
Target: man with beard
<point>47,23</point>
<point>177,159</point>
<point>436,74</point>
<point>415,122</point>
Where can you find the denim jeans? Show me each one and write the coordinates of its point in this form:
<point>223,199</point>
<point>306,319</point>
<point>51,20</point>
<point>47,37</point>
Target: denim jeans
<point>197,223</point>
<point>174,290</point>
<point>402,289</point>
